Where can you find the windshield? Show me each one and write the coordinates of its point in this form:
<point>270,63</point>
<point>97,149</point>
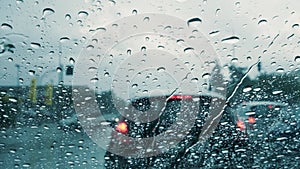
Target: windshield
<point>149,84</point>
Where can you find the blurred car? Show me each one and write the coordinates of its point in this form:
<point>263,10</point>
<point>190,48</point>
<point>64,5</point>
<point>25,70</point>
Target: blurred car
<point>272,130</point>
<point>258,117</point>
<point>217,151</point>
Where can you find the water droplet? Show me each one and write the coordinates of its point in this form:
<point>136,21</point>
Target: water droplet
<point>68,17</point>
<point>64,39</point>
<point>13,100</point>
<point>206,75</point>
<point>48,11</point>
<point>6,26</point>
<point>19,1</point>
<point>297,59</point>
<point>273,63</point>
<point>143,48</point>
<point>247,89</point>
<point>249,58</point>
<point>90,47</point>
<point>161,69</point>
<point>26,165</point>
<point>237,4</point>
<point>83,14</point>
<point>180,41</point>
<point>31,72</point>
<point>134,85</point>
<point>194,21</point>
<point>280,70</point>
<point>230,40</point>
<point>94,80</point>
<point>167,27</point>
<point>218,11</point>
<point>10,59</point>
<point>129,52</point>
<point>188,49</point>
<point>134,12</point>
<point>289,37</point>
<point>160,47</point>
<point>257,89</point>
<point>296,25</point>
<point>234,60</point>
<point>6,48</point>
<point>72,60</point>
<point>92,69</point>
<point>195,80</point>
<point>12,151</point>
<point>146,19</point>
<point>277,92</point>
<point>35,45</point>
<point>113,2</point>
<point>214,33</point>
<point>106,74</point>
<point>58,69</point>
<point>262,22</point>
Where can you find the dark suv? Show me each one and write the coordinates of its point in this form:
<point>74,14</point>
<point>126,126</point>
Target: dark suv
<point>226,147</point>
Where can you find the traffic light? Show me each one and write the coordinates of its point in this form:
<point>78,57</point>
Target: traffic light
<point>69,71</point>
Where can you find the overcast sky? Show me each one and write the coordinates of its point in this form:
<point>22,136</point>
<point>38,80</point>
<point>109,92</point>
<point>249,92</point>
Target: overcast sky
<point>265,28</point>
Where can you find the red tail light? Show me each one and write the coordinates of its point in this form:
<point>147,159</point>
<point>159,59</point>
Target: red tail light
<point>251,120</point>
<point>270,106</point>
<point>241,124</point>
<point>179,97</point>
<point>122,127</point>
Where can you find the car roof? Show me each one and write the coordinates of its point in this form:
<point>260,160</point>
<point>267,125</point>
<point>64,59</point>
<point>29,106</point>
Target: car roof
<point>199,94</point>
<point>261,103</point>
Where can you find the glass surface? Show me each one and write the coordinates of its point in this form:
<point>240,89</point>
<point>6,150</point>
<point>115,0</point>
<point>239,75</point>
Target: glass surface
<point>149,84</point>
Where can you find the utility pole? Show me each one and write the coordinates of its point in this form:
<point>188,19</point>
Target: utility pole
<point>60,65</point>
<point>60,97</point>
<point>18,74</point>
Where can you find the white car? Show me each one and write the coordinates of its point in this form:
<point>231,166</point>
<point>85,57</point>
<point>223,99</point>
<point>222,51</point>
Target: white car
<point>258,117</point>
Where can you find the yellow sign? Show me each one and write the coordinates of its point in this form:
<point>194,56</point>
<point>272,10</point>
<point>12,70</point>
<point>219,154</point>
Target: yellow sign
<point>49,94</point>
<point>32,91</point>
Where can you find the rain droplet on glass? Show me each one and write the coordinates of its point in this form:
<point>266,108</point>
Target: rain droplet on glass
<point>297,59</point>
<point>134,12</point>
<point>188,49</point>
<point>72,60</point>
<point>194,21</point>
<point>6,26</point>
<point>35,45</point>
<point>31,72</point>
<point>161,69</point>
<point>206,75</point>
<point>296,25</point>
<point>262,22</point>
<point>146,19</point>
<point>83,14</point>
<point>48,11</point>
<point>94,80</point>
<point>64,39</point>
<point>68,17</point>
<point>230,40</point>
<point>214,33</point>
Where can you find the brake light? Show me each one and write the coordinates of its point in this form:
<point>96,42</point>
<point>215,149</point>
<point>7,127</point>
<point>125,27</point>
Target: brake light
<point>122,127</point>
<point>179,97</point>
<point>240,124</point>
<point>270,106</point>
<point>251,120</point>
